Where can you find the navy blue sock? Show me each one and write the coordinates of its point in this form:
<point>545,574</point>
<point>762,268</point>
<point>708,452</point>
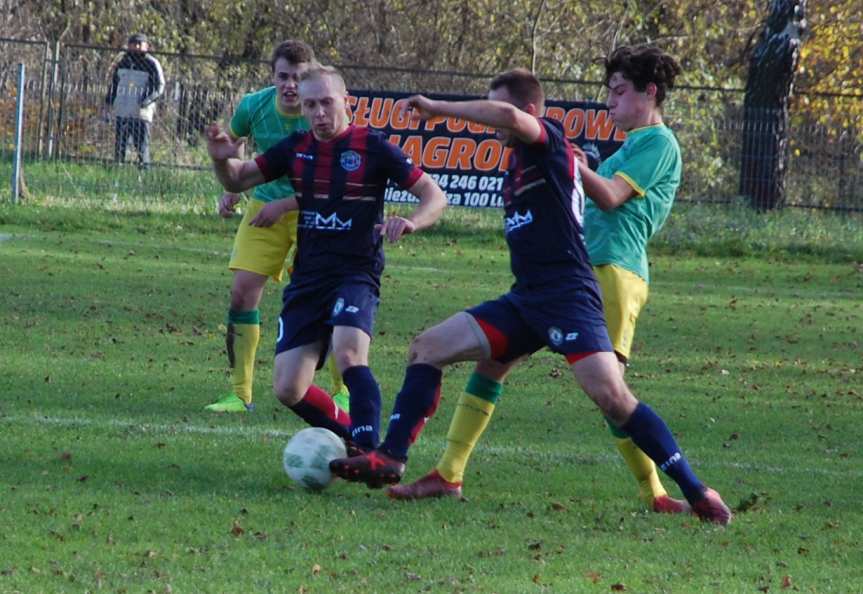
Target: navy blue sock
<point>416,401</point>
<point>651,434</point>
<point>365,405</point>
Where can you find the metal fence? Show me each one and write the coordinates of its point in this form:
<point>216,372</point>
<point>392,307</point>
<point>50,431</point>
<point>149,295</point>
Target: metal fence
<point>67,142</point>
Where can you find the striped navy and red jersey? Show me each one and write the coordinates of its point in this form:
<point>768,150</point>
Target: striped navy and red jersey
<point>340,186</point>
<point>543,211</point>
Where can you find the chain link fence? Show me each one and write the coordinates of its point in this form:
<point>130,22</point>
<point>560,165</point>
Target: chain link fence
<point>69,144</point>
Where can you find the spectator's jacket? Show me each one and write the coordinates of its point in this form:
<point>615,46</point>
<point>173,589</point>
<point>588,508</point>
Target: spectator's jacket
<point>136,83</point>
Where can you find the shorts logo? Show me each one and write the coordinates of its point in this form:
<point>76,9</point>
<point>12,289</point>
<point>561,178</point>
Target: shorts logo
<point>350,160</point>
<point>571,336</point>
<point>555,335</point>
<point>338,307</point>
<point>352,309</point>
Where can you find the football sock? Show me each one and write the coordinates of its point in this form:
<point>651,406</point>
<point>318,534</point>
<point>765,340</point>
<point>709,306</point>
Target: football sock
<point>318,410</point>
<point>365,405</point>
<point>651,434</point>
<point>472,414</point>
<point>415,404</point>
<point>641,466</point>
<point>241,340</point>
<point>338,382</point>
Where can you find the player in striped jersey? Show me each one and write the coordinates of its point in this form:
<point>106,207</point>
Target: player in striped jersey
<point>340,172</point>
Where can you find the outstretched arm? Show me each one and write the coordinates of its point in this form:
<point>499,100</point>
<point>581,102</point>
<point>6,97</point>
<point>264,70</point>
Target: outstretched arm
<point>606,193</point>
<point>432,202</point>
<point>497,114</point>
<point>234,174</point>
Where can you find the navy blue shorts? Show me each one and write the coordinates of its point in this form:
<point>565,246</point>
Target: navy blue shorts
<point>521,322</point>
<point>309,314</point>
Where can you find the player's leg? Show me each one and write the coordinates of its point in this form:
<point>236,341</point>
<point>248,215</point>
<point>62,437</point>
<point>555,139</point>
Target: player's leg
<point>623,295</point>
<point>351,356</point>
<point>293,373</point>
<point>472,415</point>
<point>492,330</point>
<point>600,377</point>
<point>258,253</point>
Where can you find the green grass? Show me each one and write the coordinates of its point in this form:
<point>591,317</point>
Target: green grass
<point>114,479</point>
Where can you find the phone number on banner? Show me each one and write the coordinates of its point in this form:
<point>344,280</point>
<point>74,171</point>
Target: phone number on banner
<point>474,191</point>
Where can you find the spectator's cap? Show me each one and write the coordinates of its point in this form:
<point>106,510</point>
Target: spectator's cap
<point>138,38</point>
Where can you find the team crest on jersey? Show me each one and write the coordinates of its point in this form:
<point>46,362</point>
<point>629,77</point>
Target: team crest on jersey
<point>338,307</point>
<point>350,160</point>
<point>555,335</point>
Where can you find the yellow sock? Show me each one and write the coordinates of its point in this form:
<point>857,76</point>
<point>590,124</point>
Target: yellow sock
<point>244,333</point>
<point>643,468</point>
<point>471,417</point>
<point>338,382</point>
<point>472,414</point>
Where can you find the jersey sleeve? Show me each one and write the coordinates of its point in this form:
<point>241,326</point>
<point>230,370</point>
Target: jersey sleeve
<point>550,137</point>
<point>398,166</point>
<point>647,162</point>
<point>241,122</point>
<point>277,161</point>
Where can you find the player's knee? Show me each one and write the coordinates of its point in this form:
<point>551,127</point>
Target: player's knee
<point>288,393</point>
<point>614,400</point>
<point>347,358</point>
<point>425,348</point>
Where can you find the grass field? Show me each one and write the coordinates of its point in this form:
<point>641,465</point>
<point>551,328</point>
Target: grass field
<point>114,479</point>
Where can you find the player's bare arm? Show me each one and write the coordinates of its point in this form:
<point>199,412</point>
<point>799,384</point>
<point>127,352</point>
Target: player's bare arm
<point>229,200</point>
<point>606,193</point>
<point>273,211</point>
<point>431,206</point>
<point>234,174</point>
<point>497,114</point>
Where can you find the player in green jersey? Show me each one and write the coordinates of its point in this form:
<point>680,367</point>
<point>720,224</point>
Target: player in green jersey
<point>265,238</point>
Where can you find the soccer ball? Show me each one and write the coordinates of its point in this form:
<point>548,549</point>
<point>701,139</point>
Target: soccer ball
<point>307,457</point>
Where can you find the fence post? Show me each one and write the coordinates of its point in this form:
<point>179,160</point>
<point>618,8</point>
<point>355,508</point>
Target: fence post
<point>19,136</point>
<point>43,96</point>
<point>49,120</point>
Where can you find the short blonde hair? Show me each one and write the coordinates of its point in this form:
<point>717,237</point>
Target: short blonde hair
<point>319,72</point>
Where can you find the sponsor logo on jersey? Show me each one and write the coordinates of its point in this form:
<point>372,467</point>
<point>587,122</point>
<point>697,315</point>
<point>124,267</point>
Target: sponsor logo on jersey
<point>516,221</point>
<point>305,156</point>
<point>315,220</point>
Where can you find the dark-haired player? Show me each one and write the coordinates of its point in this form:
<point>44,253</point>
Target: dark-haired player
<point>554,302</point>
<point>340,173</point>
<point>631,196</point>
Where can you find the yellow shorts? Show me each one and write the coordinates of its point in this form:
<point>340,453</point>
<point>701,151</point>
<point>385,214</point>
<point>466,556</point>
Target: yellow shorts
<point>264,250</point>
<point>624,293</point>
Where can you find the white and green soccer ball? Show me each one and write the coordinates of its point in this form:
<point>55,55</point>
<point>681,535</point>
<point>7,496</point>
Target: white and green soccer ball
<point>307,457</point>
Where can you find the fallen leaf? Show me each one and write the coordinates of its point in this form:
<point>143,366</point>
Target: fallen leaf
<point>316,569</point>
<point>618,588</point>
<point>236,529</point>
<point>786,582</point>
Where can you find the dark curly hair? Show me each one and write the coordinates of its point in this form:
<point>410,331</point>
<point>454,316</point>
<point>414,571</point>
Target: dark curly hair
<point>295,52</point>
<point>644,65</point>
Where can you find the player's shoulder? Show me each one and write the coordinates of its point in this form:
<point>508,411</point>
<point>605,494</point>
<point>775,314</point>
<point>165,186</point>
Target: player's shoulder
<point>256,99</point>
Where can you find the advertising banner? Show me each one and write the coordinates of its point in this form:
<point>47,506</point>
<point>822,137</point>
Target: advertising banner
<point>466,159</point>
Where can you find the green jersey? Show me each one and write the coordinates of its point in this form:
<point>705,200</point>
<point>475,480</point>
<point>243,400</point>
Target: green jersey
<point>649,161</point>
<point>258,116</point>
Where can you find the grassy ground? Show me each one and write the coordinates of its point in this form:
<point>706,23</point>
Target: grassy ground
<point>114,479</point>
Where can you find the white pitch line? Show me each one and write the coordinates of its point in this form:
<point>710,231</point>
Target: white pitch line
<point>494,450</point>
